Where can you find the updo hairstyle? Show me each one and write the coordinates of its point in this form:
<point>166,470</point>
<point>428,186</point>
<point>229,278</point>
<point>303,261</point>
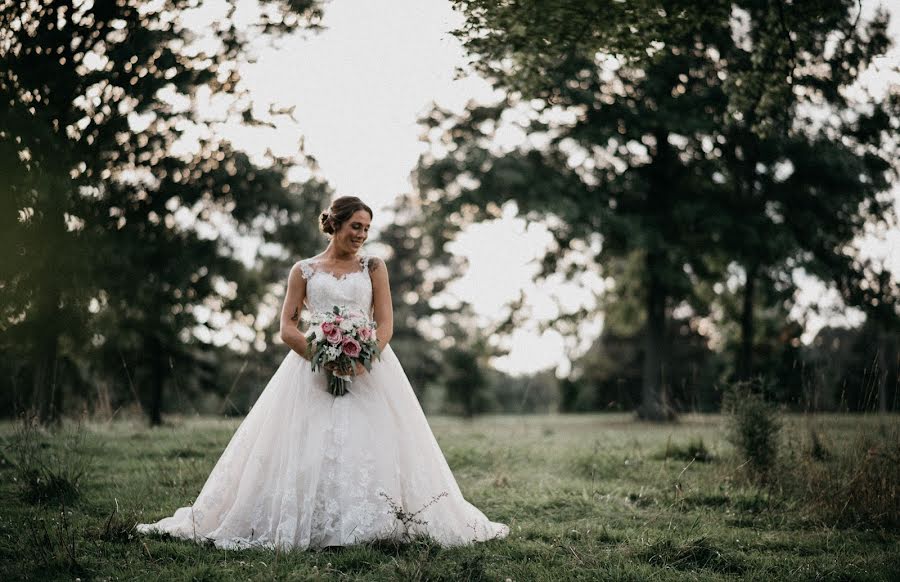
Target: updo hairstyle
<point>340,212</point>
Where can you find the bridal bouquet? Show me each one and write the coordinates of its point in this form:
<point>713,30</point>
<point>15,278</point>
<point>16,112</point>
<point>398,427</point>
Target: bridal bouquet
<point>342,337</point>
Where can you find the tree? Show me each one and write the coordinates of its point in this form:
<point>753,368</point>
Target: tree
<point>630,167</point>
<point>651,157</point>
<point>435,336</point>
<point>786,171</point>
<point>464,380</point>
<point>419,268</point>
<point>853,369</point>
<point>98,103</point>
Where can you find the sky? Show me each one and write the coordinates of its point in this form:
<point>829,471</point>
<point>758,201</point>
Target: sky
<point>358,88</point>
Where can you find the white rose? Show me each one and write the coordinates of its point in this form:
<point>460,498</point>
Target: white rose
<point>346,325</point>
<point>318,333</point>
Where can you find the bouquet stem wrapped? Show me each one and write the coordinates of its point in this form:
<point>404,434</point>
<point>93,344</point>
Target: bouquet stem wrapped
<point>341,337</point>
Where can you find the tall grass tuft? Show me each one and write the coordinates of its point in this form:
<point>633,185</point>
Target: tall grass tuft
<point>754,425</point>
<point>856,485</point>
<point>818,450</point>
<point>53,543</point>
<point>691,555</point>
<point>695,450</point>
<point>48,470</point>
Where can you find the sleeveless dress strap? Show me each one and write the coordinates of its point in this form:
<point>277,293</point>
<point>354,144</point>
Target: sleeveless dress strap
<point>306,269</point>
<point>364,261</point>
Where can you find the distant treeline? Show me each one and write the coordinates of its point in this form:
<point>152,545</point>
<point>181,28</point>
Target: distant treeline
<point>695,161</point>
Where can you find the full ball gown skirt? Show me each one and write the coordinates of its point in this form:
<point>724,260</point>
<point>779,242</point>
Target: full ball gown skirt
<point>306,469</point>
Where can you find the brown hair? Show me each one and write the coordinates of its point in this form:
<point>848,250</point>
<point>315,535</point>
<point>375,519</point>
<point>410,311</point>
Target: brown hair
<point>340,212</point>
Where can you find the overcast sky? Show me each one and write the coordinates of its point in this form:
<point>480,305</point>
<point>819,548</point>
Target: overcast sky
<point>359,88</point>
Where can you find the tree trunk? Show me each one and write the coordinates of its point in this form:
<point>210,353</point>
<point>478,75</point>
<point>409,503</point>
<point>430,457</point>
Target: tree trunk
<point>654,401</point>
<point>158,380</point>
<point>46,396</point>
<point>882,370</point>
<point>745,357</point>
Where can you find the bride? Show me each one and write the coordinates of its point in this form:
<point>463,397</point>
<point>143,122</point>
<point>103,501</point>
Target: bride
<point>306,469</point>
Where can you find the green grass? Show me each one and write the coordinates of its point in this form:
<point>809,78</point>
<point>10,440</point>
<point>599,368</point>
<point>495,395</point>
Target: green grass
<point>586,497</point>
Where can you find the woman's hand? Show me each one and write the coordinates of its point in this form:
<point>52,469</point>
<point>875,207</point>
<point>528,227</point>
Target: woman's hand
<point>334,369</point>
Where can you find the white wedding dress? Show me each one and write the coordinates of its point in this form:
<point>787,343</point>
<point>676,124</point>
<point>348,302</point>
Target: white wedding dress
<point>306,469</point>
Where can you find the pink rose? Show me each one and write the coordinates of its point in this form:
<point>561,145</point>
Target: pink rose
<point>338,319</point>
<point>327,327</point>
<point>334,336</point>
<point>351,347</point>
<point>365,333</point>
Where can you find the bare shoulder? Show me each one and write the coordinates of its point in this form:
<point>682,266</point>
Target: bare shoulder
<point>378,273</point>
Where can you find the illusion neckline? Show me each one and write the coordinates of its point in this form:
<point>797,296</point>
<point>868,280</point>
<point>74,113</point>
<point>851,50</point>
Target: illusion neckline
<point>310,267</point>
<point>339,277</point>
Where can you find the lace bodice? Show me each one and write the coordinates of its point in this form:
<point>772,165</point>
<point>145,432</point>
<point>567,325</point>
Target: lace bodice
<point>324,290</point>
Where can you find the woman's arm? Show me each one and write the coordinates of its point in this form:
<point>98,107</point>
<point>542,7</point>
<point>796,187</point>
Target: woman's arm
<point>290,311</point>
<point>381,298</point>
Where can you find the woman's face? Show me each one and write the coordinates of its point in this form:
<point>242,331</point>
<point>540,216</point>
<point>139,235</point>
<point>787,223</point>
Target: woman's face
<point>354,232</point>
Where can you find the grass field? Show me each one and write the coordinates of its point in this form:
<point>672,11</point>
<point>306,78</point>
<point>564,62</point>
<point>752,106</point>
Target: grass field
<point>587,497</point>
